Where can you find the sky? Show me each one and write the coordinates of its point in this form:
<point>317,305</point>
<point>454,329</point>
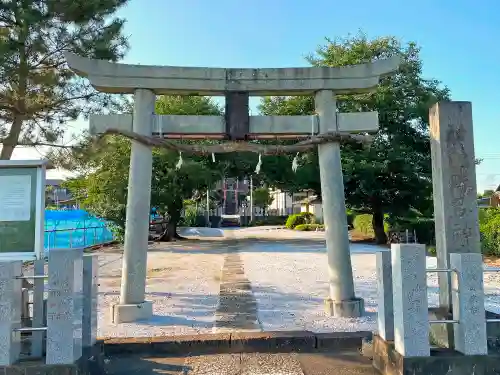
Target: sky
<point>458,38</point>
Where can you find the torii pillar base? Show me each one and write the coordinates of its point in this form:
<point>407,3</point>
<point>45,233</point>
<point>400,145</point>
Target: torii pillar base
<point>353,308</point>
<point>131,313</point>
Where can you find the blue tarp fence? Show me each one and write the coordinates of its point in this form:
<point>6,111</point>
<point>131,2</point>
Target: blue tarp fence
<point>74,228</point>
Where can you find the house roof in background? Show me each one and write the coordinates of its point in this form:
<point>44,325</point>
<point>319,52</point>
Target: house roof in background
<point>53,182</point>
<point>313,199</point>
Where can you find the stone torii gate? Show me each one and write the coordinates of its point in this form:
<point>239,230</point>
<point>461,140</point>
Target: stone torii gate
<point>145,82</point>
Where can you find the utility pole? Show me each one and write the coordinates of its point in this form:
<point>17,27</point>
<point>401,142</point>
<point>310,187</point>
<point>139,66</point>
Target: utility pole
<point>208,207</point>
<point>251,199</point>
<point>225,195</point>
<point>236,196</point>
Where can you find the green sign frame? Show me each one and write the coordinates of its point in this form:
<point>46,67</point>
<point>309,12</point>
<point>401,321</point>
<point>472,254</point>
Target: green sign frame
<point>22,233</point>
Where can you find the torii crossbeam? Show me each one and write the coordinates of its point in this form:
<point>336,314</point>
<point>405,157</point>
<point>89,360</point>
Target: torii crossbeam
<point>237,85</point>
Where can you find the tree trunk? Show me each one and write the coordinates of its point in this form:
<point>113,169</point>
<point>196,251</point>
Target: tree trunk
<point>169,233</point>
<point>10,142</point>
<point>170,229</point>
<point>378,227</point>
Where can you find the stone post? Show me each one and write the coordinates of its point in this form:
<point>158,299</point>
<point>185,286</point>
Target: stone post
<point>468,304</point>
<point>37,338</point>
<point>385,315</point>
<point>90,289</point>
<point>409,284</point>
<point>454,186</point>
<point>342,301</point>
<point>64,306</point>
<point>132,304</point>
<point>10,312</point>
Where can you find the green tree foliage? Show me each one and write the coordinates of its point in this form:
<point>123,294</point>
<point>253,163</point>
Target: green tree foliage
<point>170,186</point>
<point>262,198</point>
<point>104,168</point>
<point>488,193</point>
<point>394,174</point>
<point>102,183</point>
<point>38,92</point>
<point>489,225</point>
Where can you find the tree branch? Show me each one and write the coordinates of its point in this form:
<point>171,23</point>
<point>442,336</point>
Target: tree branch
<point>41,144</point>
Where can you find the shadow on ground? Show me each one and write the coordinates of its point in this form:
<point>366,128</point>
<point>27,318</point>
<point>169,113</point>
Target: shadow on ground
<point>276,309</point>
<point>256,245</point>
<point>189,310</point>
<point>199,311</point>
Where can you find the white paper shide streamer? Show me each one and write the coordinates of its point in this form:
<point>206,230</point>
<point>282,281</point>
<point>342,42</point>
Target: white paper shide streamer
<point>213,157</point>
<point>295,162</point>
<point>179,163</point>
<point>259,164</point>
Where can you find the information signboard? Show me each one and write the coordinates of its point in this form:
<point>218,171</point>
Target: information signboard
<point>22,207</point>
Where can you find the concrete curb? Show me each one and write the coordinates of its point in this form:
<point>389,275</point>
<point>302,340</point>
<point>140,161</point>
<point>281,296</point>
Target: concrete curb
<point>237,342</point>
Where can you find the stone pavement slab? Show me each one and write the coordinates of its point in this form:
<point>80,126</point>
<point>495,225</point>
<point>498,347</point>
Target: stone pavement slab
<point>267,364</point>
<point>237,307</point>
<point>218,364</point>
<point>321,363</point>
<point>327,363</point>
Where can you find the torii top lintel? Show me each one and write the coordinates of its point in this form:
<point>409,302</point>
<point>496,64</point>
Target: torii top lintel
<point>126,78</point>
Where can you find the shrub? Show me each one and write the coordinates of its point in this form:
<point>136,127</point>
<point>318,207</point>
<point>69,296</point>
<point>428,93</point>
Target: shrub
<point>297,219</point>
<point>425,230</point>
<point>489,225</point>
<point>192,218</point>
<point>269,220</point>
<point>363,224</point>
<point>431,250</point>
<point>422,226</point>
<point>292,221</point>
<point>350,218</point>
<point>308,217</point>
<point>309,227</point>
<point>201,221</point>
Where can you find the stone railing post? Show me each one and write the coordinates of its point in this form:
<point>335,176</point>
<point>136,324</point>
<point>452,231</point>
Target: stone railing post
<point>467,293</point>
<point>90,286</point>
<point>64,306</point>
<point>37,338</point>
<point>10,311</point>
<point>409,283</point>
<point>385,315</point>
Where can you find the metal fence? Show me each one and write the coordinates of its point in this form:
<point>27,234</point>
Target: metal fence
<point>69,229</point>
<point>77,237</point>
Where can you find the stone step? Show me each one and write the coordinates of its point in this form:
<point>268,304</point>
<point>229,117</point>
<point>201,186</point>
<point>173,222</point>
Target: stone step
<point>236,342</point>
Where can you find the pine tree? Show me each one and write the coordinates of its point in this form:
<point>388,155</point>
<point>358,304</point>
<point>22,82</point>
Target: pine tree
<point>38,93</point>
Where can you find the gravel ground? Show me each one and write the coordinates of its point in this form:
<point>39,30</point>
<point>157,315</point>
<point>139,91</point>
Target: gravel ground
<point>287,271</point>
<point>183,283</point>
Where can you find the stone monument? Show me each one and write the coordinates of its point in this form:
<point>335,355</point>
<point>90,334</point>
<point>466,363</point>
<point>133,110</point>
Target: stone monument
<point>454,186</point>
<point>145,82</point>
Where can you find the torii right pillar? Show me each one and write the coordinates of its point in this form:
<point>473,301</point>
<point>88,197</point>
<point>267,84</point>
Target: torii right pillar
<point>342,301</point>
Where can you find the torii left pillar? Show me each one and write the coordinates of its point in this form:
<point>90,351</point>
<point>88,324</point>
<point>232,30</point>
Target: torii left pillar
<point>342,301</point>
<point>132,305</point>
